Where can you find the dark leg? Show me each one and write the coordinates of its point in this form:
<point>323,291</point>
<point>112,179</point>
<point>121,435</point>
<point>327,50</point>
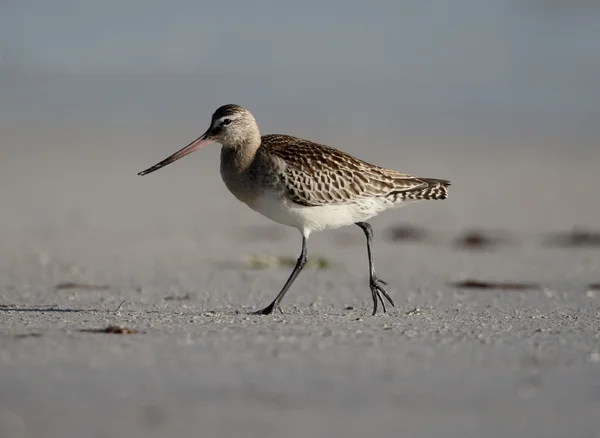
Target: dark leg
<point>375,283</point>
<point>299,265</point>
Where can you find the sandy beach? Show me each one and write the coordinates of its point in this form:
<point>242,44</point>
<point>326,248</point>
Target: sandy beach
<point>87,244</point>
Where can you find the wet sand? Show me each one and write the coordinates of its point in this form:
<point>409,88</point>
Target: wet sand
<point>83,236</point>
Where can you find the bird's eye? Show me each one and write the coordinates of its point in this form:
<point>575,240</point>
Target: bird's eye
<point>226,121</point>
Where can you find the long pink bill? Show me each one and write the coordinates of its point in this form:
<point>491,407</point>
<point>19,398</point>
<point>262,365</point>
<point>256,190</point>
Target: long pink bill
<point>196,144</point>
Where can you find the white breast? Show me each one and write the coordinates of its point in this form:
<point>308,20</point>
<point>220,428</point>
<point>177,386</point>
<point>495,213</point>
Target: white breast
<point>309,219</point>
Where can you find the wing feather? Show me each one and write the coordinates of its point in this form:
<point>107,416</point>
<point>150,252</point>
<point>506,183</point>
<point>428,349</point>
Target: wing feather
<point>316,174</point>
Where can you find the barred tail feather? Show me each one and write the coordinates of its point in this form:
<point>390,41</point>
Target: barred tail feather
<point>436,189</point>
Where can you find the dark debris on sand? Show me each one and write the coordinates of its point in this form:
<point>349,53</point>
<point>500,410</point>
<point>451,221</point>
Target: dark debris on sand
<point>575,238</point>
<point>407,233</point>
<point>28,335</point>
<point>113,329</point>
<point>185,297</point>
<point>84,286</point>
<point>477,284</point>
<point>479,240</point>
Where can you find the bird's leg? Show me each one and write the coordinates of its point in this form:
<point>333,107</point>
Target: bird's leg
<point>299,265</point>
<point>375,283</point>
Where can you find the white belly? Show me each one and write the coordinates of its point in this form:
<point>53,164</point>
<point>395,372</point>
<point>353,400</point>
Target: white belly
<point>326,217</point>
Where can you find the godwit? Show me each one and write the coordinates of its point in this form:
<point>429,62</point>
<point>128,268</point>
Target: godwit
<point>305,185</point>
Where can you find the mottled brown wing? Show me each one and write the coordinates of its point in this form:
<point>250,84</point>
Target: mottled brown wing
<point>317,175</point>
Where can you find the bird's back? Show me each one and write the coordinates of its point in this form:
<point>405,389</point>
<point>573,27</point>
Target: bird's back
<point>315,174</point>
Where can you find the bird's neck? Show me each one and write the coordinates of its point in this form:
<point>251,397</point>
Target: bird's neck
<point>239,156</point>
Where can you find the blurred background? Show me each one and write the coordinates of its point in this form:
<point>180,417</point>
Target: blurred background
<point>501,97</point>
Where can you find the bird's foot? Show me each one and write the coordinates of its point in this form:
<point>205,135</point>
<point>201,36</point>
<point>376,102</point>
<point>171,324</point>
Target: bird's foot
<point>378,289</point>
<point>267,310</point>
